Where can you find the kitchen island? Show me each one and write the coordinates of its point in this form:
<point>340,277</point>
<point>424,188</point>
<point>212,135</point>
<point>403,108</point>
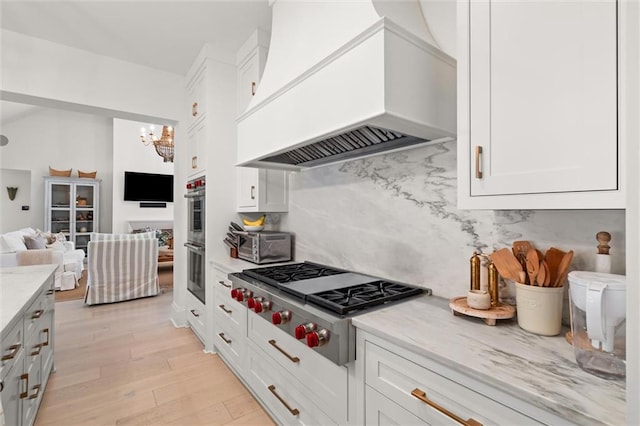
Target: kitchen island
<point>26,339</point>
<point>533,375</point>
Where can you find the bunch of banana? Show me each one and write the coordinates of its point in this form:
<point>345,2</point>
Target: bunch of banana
<point>257,222</point>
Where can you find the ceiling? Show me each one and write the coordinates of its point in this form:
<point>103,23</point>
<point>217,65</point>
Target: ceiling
<point>165,35</point>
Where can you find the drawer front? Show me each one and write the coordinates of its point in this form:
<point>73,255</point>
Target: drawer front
<point>229,309</point>
<point>381,411</point>
<point>11,345</point>
<point>35,389</point>
<point>282,393</point>
<point>435,399</point>
<point>326,380</point>
<point>14,385</point>
<point>34,313</point>
<point>230,342</point>
<point>196,317</point>
<point>197,96</point>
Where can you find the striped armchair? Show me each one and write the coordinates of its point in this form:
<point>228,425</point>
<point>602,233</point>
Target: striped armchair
<point>121,267</point>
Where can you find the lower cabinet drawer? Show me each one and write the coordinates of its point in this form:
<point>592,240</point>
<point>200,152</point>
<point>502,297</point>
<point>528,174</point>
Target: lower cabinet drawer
<point>290,402</point>
<point>230,341</point>
<point>429,396</point>
<point>196,317</point>
<point>328,381</point>
<point>11,343</point>
<point>381,411</point>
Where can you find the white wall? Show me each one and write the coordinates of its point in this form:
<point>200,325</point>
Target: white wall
<point>12,216</point>
<point>63,140</point>
<point>131,154</point>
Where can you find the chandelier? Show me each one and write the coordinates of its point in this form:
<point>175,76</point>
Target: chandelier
<point>163,145</point>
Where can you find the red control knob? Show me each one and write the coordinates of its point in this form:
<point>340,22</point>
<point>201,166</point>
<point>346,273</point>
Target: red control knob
<point>251,302</point>
<point>243,294</point>
<point>262,307</point>
<point>281,317</point>
<point>303,329</point>
<point>234,293</point>
<point>317,338</point>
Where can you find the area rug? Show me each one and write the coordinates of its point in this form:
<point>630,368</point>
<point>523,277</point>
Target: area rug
<point>165,277</point>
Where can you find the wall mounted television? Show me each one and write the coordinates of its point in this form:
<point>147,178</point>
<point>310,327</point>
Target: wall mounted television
<point>148,187</point>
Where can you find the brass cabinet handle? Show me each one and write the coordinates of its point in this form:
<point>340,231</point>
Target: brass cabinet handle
<point>225,309</point>
<point>194,162</point>
<point>194,109</point>
<point>253,88</point>
<point>36,393</point>
<point>227,341</point>
<point>423,397</point>
<point>224,284</point>
<point>36,349</point>
<point>253,188</point>
<point>46,330</point>
<point>478,168</point>
<point>1,385</point>
<point>25,377</point>
<point>293,411</point>
<point>14,351</point>
<point>37,314</point>
<point>293,359</point>
<point>50,292</point>
<point>194,313</point>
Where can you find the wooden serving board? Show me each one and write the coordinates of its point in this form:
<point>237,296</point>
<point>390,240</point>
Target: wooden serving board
<point>459,306</point>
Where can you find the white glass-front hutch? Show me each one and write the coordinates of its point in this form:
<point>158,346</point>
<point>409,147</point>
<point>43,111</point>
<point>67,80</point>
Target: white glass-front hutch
<point>72,207</point>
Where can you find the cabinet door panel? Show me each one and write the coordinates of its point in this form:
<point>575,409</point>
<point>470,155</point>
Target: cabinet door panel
<point>543,96</point>
<point>247,187</point>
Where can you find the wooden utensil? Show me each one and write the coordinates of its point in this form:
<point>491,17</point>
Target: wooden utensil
<point>553,256</point>
<point>542,274</point>
<point>520,249</point>
<point>563,269</point>
<point>533,265</point>
<point>547,278</point>
<point>507,265</point>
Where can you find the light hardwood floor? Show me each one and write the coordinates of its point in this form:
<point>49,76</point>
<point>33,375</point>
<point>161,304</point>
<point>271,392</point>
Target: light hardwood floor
<point>126,364</point>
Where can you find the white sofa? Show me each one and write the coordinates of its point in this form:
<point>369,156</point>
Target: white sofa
<point>14,252</point>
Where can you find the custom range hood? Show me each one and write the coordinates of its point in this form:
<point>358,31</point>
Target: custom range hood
<point>347,79</point>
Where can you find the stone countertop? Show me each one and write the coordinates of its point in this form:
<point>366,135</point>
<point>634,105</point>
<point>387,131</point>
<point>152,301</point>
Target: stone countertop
<point>537,369</point>
<point>229,264</point>
<point>18,287</point>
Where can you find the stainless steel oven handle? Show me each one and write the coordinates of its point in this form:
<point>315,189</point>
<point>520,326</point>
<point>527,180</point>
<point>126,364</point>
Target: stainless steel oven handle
<point>195,248</point>
<point>195,194</point>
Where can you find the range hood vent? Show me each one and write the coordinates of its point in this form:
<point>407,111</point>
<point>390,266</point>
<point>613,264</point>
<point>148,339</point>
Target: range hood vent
<point>365,140</point>
<point>344,80</point>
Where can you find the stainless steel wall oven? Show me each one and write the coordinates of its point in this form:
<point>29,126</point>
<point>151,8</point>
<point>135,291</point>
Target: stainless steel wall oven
<point>196,237</point>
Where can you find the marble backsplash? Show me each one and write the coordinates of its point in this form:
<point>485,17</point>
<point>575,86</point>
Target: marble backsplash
<point>395,216</point>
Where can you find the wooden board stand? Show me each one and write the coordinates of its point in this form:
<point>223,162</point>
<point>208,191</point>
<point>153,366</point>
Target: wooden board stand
<point>459,306</point>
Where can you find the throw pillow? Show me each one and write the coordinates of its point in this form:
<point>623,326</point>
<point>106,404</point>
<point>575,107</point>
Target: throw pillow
<point>57,245</point>
<point>35,242</point>
<point>59,237</point>
<point>48,236</point>
<point>14,241</point>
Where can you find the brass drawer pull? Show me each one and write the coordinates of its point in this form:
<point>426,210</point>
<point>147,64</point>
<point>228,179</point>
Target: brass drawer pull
<point>50,292</point>
<point>36,349</point>
<point>37,314</point>
<point>194,109</point>
<point>478,168</point>
<point>227,341</point>
<point>194,313</point>
<point>46,330</point>
<point>36,393</point>
<point>224,284</point>
<point>225,309</point>
<point>14,350</point>
<point>423,397</point>
<point>25,394</point>
<point>253,88</point>
<point>293,411</point>
<point>293,359</point>
<point>253,196</point>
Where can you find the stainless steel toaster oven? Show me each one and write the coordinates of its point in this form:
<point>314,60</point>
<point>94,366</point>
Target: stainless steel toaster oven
<point>264,247</point>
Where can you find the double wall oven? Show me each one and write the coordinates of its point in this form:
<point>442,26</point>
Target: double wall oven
<point>195,244</point>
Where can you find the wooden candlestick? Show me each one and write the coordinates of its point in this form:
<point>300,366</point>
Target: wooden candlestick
<point>603,242</point>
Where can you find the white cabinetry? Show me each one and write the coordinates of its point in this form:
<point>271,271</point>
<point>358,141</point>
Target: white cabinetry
<point>262,190</point>
<point>72,208</point>
<point>401,387</point>
<point>27,358</point>
<point>230,323</point>
<point>197,93</point>
<point>538,105</point>
<point>259,190</point>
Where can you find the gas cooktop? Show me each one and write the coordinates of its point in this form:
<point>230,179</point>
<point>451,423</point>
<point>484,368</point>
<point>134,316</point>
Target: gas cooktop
<point>336,290</point>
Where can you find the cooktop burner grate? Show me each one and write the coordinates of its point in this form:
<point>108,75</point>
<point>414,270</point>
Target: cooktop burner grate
<point>346,300</point>
<point>278,275</point>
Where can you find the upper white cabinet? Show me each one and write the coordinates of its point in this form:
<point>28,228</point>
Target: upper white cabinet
<point>259,190</point>
<point>251,59</point>
<point>262,190</point>
<point>538,110</point>
<point>197,86</point>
